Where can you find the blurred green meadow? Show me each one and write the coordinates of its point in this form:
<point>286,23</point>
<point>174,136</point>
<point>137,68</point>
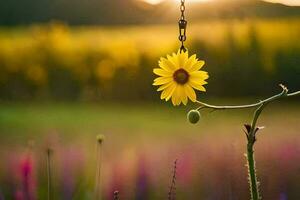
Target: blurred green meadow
<point>61,86</point>
<point>141,143</point>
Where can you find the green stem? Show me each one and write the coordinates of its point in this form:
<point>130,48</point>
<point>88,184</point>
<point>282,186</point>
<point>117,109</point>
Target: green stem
<point>250,154</point>
<point>252,173</point>
<point>49,174</point>
<point>293,94</point>
<point>97,190</point>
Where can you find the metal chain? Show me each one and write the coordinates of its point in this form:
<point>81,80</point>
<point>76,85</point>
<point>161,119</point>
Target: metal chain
<point>182,26</point>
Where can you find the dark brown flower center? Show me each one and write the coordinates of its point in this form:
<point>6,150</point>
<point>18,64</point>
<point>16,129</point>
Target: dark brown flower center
<point>181,76</point>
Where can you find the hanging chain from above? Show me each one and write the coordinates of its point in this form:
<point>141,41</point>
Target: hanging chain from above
<point>182,26</point>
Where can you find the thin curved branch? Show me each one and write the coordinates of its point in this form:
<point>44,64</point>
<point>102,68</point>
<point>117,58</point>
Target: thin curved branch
<point>293,94</point>
<point>284,93</point>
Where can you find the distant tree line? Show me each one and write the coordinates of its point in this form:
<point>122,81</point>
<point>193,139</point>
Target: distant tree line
<point>109,12</point>
<point>53,65</point>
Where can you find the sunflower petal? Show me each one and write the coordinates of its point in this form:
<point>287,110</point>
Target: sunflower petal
<point>197,66</point>
<point>176,97</point>
<point>166,64</point>
<point>199,74</point>
<point>190,92</point>
<point>197,81</point>
<point>182,58</point>
<point>173,59</point>
<point>183,95</point>
<point>190,62</point>
<point>162,87</point>
<point>174,100</point>
<point>167,92</point>
<point>162,72</point>
<point>197,86</point>
<point>162,80</point>
<point>172,89</point>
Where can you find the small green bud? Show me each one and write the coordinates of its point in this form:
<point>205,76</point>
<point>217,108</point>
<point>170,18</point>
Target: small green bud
<point>193,116</point>
<point>100,138</point>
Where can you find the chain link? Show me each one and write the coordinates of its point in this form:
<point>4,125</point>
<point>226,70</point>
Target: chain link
<point>182,26</point>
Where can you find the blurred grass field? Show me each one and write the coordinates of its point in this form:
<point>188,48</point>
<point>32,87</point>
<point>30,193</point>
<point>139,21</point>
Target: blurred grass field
<point>72,119</point>
<point>150,137</point>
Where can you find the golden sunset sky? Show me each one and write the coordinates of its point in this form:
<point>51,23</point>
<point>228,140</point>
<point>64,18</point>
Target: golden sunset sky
<point>287,2</point>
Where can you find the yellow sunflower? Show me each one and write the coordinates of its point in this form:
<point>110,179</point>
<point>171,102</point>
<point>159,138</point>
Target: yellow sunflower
<point>179,76</point>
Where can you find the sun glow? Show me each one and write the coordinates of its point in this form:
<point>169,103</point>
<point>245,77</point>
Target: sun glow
<point>195,0</point>
<point>176,1</point>
<point>287,2</point>
<point>153,1</point>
